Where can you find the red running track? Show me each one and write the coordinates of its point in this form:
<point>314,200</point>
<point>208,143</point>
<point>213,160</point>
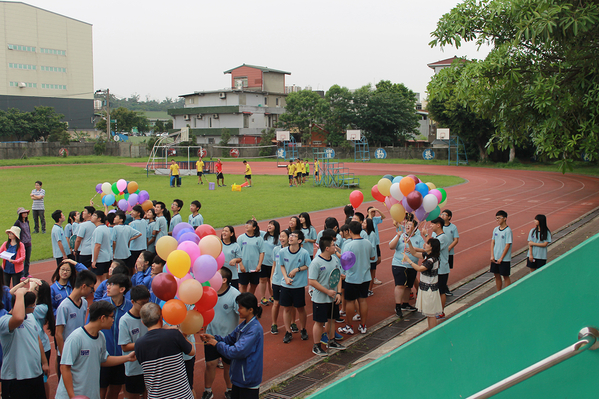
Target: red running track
<point>522,194</point>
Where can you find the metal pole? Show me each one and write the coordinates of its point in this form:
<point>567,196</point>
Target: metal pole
<point>108,114</point>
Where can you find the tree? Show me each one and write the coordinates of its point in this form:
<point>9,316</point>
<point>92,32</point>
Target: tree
<point>303,109</point>
<point>541,78</point>
<point>225,137</point>
<point>266,139</point>
<point>339,114</point>
<point>31,126</point>
<point>125,121</point>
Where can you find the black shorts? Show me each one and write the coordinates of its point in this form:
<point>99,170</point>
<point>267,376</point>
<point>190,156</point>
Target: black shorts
<point>200,175</point>
<point>443,288</point>
<point>114,375</point>
<point>245,393</point>
<point>48,353</point>
<point>378,251</point>
<point>132,260</point>
<point>30,388</point>
<point>235,283</point>
<point>85,260</point>
<point>503,268</point>
<point>135,384</point>
<point>220,176</point>
<point>249,278</point>
<point>248,176</point>
<point>315,173</point>
<point>189,368</point>
<point>290,178</point>
<point>372,265</point>
<point>265,271</point>
<point>536,263</point>
<point>321,312</point>
<point>450,260</point>
<point>276,292</point>
<point>404,276</point>
<point>295,297</point>
<point>101,268</point>
<point>356,291</point>
<point>210,354</point>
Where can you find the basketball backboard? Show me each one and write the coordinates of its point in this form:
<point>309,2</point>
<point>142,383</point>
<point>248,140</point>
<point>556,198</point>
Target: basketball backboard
<point>442,134</point>
<point>354,135</point>
<point>283,135</point>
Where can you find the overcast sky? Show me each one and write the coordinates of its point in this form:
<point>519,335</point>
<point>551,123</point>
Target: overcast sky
<point>167,48</point>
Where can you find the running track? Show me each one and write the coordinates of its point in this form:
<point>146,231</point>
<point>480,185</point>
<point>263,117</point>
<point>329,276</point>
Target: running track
<point>522,194</point>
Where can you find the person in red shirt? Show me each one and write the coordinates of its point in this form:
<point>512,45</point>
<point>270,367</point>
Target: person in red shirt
<point>219,173</point>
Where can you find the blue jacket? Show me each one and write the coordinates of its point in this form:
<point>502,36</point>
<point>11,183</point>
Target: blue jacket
<point>59,293</point>
<point>245,347</point>
<point>144,278</point>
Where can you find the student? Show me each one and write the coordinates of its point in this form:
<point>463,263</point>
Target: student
<point>316,170</point>
<point>83,243</point>
<point>44,316</point>
<point>298,173</point>
<point>501,251</point>
<point>22,222</point>
<point>252,256</point>
<point>37,195</point>
<point>157,267</point>
<point>245,347</point>
<point>325,300</point>
<point>174,172</point>
<point>357,279</point>
<point>303,168</point>
<point>60,245</point>
<point>307,174</point>
<point>71,312</point>
<point>200,169</point>
<point>176,218</point>
<point>376,220</point>
<point>219,173</point>
<point>294,261</point>
<point>102,242</point>
<point>309,233</point>
<point>444,239</point>
<point>160,353</point>
<point>331,223</point>
<point>72,224</point>
<point>122,235</point>
<point>116,267</point>
<point>294,224</point>
<point>140,244</point>
<point>63,281</point>
<point>539,238</point>
<point>195,219</point>
<point>276,280</point>
<point>13,269</point>
<point>23,362</point>
<point>163,216</point>
<point>143,268</point>
<point>271,239</point>
<point>85,354</point>
<point>152,229</point>
<point>452,232</point>
<point>232,252</point>
<point>130,330</point>
<point>348,210</point>
<point>248,173</point>
<point>291,172</point>
<point>226,317</point>
<point>368,227</point>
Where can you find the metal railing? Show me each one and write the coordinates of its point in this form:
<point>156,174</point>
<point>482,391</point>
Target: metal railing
<point>588,338</point>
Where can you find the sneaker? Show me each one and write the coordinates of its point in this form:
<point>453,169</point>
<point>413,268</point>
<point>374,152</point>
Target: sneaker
<point>274,329</point>
<point>304,334</point>
<point>338,337</point>
<point>340,320</point>
<point>341,313</point>
<point>317,350</point>
<point>356,317</point>
<point>337,346</point>
<point>220,364</point>
<point>228,394</point>
<point>294,328</point>
<point>440,316</point>
<point>347,330</point>
<point>449,293</point>
<point>207,395</point>
<point>324,338</point>
<point>408,307</point>
<point>264,302</point>
<point>362,328</point>
<point>370,293</point>
<point>288,337</point>
<point>377,281</point>
<point>398,311</point>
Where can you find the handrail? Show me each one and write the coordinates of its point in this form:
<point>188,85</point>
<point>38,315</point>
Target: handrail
<point>588,338</point>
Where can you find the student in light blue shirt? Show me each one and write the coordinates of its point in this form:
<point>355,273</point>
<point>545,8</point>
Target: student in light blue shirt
<point>152,229</point>
<point>501,251</point>
<point>60,244</point>
<point>539,238</point>
<point>195,219</point>
<point>122,235</point>
<point>271,238</point>
<point>102,240</point>
<point>161,221</point>
<point>232,252</point>
<point>252,256</point>
<point>176,218</point>
<point>276,280</point>
<point>140,244</point>
<point>83,243</point>
<point>309,233</point>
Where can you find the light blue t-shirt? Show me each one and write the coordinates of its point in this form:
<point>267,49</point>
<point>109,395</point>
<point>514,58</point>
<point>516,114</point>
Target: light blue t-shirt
<point>338,241</point>
<point>130,330</point>
<point>75,228</point>
<point>102,236</point>
<point>21,357</point>
<point>452,233</point>
<point>85,231</point>
<point>141,243</point>
<point>226,314</point>
<point>161,227</point>
<point>538,252</point>
<point>502,238</point>
<point>290,261</point>
<point>70,316</point>
<point>360,271</point>
<point>372,239</point>
<point>309,234</point>
<point>58,236</point>
<point>268,245</point>
<point>251,248</point>
<point>376,221</point>
<point>277,275</point>
<point>232,251</point>
<point>445,241</point>
<point>39,313</point>
<point>84,353</point>
<point>401,248</point>
<point>68,230</point>
<point>151,227</point>
<point>196,220</point>
<point>121,234</point>
<point>320,270</point>
<point>175,220</point>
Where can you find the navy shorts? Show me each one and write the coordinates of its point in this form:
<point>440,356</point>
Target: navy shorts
<point>101,268</point>
<point>290,178</point>
<point>356,291</point>
<point>276,292</point>
<point>248,176</point>
<point>295,297</point>
<point>249,278</point>
<point>220,176</point>
<point>265,271</point>
<point>536,263</point>
<point>210,354</point>
<point>404,276</point>
<point>114,375</point>
<point>85,260</point>
<point>372,265</point>
<point>443,288</point>
<point>503,268</point>
<point>135,384</point>
<point>321,312</point>
<point>200,174</point>
<point>235,283</point>
<point>450,260</point>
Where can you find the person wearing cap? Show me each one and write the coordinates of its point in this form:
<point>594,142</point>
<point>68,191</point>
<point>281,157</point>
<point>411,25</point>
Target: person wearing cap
<point>13,267</point>
<point>23,223</point>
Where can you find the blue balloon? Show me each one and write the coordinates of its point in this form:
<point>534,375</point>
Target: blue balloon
<point>422,188</point>
<point>390,177</point>
<point>397,179</point>
<point>108,199</point>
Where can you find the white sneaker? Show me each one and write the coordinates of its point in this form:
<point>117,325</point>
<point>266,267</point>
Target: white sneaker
<point>346,330</point>
<point>356,317</point>
<point>377,281</point>
<point>341,313</point>
<point>362,328</point>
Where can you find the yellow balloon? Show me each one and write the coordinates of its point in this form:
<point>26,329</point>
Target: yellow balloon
<point>398,212</point>
<point>178,263</point>
<point>210,245</point>
<point>384,185</point>
<point>442,204</point>
<point>193,322</point>
<point>190,291</point>
<point>431,186</point>
<point>165,245</point>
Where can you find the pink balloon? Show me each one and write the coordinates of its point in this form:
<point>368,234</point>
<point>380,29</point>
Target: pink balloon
<point>390,201</point>
<point>180,280</point>
<point>220,260</point>
<point>204,268</point>
<point>216,281</point>
<point>191,248</point>
<point>121,185</point>
<point>437,194</point>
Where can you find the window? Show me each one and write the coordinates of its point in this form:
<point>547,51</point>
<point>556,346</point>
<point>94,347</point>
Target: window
<point>53,69</point>
<point>19,47</point>
<point>241,82</point>
<point>52,51</point>
<point>277,102</point>
<point>210,140</point>
<point>16,84</point>
<point>418,106</point>
<point>53,86</point>
<point>22,66</point>
<point>265,100</point>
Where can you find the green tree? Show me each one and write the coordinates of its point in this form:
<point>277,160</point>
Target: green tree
<point>303,109</point>
<point>31,126</point>
<point>541,78</point>
<point>225,137</point>
<point>339,114</point>
<point>125,121</point>
<point>266,139</point>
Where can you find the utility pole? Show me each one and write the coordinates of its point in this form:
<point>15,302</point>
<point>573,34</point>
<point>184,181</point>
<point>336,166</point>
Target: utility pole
<point>107,114</point>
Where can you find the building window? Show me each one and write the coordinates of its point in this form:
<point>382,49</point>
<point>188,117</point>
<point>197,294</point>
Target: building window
<point>241,82</point>
<point>190,101</point>
<point>265,100</point>
<point>418,106</point>
<point>27,84</point>
<point>53,69</point>
<point>210,140</point>
<point>52,51</point>
<point>54,87</point>
<point>22,66</point>
<point>19,47</point>
<point>277,102</point>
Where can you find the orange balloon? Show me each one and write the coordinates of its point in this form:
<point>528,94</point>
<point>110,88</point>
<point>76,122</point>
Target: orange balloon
<point>132,187</point>
<point>193,323</point>
<point>178,262</point>
<point>407,185</point>
<point>190,291</point>
<point>147,205</point>
<point>165,245</point>
<point>174,312</point>
<point>210,245</point>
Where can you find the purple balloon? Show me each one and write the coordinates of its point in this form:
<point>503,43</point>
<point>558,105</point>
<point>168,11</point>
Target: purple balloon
<point>143,196</point>
<point>189,236</point>
<point>99,188</point>
<point>123,205</point>
<point>348,259</point>
<point>133,198</point>
<point>204,268</point>
<point>404,202</point>
<point>421,214</point>
<point>181,232</point>
<point>181,226</point>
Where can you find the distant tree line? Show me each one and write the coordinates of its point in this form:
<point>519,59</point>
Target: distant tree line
<point>40,124</point>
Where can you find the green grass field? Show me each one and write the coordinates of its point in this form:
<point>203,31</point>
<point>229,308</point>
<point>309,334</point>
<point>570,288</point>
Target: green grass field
<point>70,187</point>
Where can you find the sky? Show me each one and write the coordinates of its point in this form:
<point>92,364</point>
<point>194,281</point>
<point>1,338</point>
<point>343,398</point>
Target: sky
<point>159,49</point>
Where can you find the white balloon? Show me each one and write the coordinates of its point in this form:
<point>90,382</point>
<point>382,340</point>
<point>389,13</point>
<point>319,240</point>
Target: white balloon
<point>430,202</point>
<point>396,192</point>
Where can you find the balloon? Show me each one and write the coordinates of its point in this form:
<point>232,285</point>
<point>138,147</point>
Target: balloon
<point>119,196</point>
<point>443,194</point>
<point>398,212</point>
<point>437,194</point>
<point>80,397</point>
<point>208,316</point>
<point>374,191</point>
<point>164,286</point>
<point>216,281</point>
<point>390,201</point>
<point>193,323</point>
<point>348,259</point>
<point>211,245</point>
<point>406,185</point>
<point>143,196</point>
<point>442,204</point>
<point>190,291</point>
<point>174,312</point>
<point>114,188</point>
<point>414,199</point>
<point>109,200</point>
<point>129,207</point>
<point>185,231</point>
<point>220,260</point>
<point>431,186</point>
<point>208,300</point>
<point>99,188</point>
<point>416,180</point>
<point>165,245</point>
<point>205,230</point>
<point>132,199</point>
<point>397,179</point>
<point>404,203</point>
<point>181,226</point>
<point>189,236</point>
<point>132,187</point>
<point>123,205</point>
<point>429,202</point>
<point>204,268</point>
<point>433,214</point>
<point>206,284</point>
<point>420,213</point>
<point>121,185</point>
<point>356,197</point>
<point>395,192</point>
<point>146,205</point>
<point>191,248</point>
<point>106,188</point>
<point>388,177</point>
<point>179,262</point>
<point>384,185</point>
<point>422,188</point>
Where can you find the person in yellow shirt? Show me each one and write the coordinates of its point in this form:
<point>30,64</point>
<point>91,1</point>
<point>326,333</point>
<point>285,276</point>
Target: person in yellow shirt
<point>316,169</point>
<point>298,172</point>
<point>248,173</point>
<point>175,178</point>
<point>200,168</point>
<point>291,172</point>
<point>306,171</point>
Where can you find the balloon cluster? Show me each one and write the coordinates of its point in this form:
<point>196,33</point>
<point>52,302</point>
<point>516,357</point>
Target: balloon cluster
<point>409,194</point>
<point>190,276</point>
<point>124,194</point>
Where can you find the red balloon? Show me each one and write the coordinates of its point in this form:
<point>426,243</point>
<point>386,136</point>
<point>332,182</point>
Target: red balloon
<point>205,230</point>
<point>164,286</point>
<point>376,194</point>
<point>208,316</point>
<point>208,301</point>
<point>414,199</point>
<point>355,198</point>
<point>416,180</point>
